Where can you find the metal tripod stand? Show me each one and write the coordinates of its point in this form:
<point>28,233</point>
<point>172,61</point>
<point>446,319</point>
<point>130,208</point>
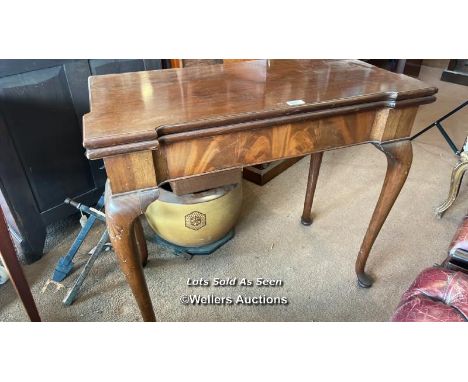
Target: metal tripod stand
<point>460,167</point>
<point>65,264</point>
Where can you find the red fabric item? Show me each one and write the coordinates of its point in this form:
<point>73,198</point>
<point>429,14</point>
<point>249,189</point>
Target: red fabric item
<point>437,295</point>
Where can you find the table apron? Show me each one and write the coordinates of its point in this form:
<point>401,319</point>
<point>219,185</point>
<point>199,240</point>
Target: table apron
<point>197,156</point>
<point>246,148</point>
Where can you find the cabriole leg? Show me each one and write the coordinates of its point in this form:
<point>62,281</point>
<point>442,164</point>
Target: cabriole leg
<point>122,210</point>
<point>399,158</point>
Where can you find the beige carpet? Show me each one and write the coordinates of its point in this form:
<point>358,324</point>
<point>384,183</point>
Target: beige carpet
<point>315,263</point>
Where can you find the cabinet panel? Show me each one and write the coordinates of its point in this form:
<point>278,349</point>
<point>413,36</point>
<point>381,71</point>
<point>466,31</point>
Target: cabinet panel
<point>42,123</point>
<point>42,159</point>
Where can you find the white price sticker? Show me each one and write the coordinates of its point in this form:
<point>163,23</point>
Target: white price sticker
<point>295,102</point>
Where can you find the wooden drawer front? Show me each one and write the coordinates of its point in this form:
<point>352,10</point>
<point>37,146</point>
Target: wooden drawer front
<point>250,147</point>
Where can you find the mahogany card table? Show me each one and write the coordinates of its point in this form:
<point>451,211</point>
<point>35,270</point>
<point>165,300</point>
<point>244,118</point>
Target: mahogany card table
<point>196,124</point>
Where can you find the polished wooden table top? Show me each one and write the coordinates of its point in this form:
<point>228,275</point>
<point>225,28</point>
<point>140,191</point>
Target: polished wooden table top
<point>131,108</point>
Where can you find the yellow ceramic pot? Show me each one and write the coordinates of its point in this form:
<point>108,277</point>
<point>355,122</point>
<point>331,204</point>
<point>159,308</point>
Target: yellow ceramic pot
<point>194,220</point>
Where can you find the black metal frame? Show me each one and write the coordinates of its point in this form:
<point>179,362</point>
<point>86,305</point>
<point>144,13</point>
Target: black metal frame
<point>439,126</point>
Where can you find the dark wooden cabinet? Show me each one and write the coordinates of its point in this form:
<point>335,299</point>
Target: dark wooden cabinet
<point>41,154</point>
<point>457,72</point>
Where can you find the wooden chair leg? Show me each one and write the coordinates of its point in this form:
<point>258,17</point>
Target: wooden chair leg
<point>140,241</point>
<point>399,157</point>
<point>314,168</point>
<point>455,182</point>
<point>11,262</point>
<point>121,212</point>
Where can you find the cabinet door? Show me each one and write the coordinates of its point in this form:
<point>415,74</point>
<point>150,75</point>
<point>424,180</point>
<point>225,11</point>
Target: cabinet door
<point>42,103</point>
<point>45,129</point>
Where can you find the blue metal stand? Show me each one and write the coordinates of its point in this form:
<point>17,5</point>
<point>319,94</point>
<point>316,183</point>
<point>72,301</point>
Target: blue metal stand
<point>75,289</point>
<point>65,263</point>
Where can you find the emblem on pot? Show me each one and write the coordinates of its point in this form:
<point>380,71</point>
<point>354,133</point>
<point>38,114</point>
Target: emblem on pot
<point>195,220</point>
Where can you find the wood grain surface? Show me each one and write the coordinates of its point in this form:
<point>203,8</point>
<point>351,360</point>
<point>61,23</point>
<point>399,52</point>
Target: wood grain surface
<point>130,109</point>
<point>199,155</point>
